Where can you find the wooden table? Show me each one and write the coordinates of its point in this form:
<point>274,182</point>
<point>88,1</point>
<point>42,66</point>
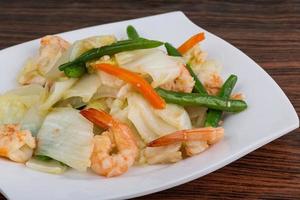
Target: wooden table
<point>268,31</point>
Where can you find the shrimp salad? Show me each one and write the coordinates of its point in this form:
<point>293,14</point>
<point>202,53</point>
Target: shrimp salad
<point>109,104</point>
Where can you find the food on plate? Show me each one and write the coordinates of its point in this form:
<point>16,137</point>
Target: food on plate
<point>109,104</point>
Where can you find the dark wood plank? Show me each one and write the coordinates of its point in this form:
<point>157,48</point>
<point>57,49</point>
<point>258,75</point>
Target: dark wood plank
<point>268,31</point>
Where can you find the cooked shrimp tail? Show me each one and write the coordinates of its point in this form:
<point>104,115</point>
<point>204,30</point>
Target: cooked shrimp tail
<point>119,137</point>
<point>209,134</point>
<point>98,117</point>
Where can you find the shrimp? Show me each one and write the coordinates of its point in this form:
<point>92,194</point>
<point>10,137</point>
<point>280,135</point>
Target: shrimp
<point>183,83</point>
<point>207,135</point>
<point>213,84</point>
<point>51,49</point>
<point>118,138</point>
<point>238,96</point>
<point>195,147</point>
<point>16,144</point>
<point>195,56</point>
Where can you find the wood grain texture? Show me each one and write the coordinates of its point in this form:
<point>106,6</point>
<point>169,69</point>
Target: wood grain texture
<point>268,31</point>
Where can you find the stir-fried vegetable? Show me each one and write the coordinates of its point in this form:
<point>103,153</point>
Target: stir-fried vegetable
<point>75,68</point>
<point>193,99</point>
<point>140,84</point>
<point>46,164</point>
<point>56,93</point>
<point>151,122</point>
<point>198,85</point>
<point>67,137</point>
<point>172,51</point>
<point>84,88</point>
<point>75,71</point>
<point>150,62</point>
<point>214,116</point>
<point>192,41</point>
<point>132,33</point>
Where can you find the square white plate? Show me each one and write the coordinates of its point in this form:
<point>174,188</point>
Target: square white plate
<point>269,116</point>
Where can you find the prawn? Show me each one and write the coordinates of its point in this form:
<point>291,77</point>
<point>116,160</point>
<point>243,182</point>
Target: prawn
<point>183,83</point>
<point>51,49</point>
<point>237,96</point>
<point>16,144</point>
<point>207,135</point>
<point>118,138</point>
<point>213,84</point>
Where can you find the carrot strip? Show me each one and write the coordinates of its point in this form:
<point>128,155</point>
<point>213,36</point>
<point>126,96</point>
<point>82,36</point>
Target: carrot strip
<point>138,82</point>
<point>192,41</point>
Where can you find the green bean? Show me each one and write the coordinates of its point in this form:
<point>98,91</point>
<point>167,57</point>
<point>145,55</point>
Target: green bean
<point>172,51</point>
<point>120,46</point>
<point>194,99</point>
<point>198,87</point>
<point>71,68</point>
<point>75,71</point>
<point>213,117</point>
<point>117,48</point>
<point>132,33</point>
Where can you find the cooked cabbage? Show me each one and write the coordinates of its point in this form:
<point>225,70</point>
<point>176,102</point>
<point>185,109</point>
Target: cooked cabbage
<point>12,109</point>
<point>119,110</point>
<point>76,49</point>
<point>149,125</point>
<point>30,94</point>
<point>154,62</point>
<point>197,115</point>
<point>109,86</point>
<point>84,45</point>
<point>84,88</point>
<point>32,120</point>
<point>30,74</point>
<point>174,115</point>
<point>14,104</point>
<point>56,92</point>
<point>110,80</point>
<point>106,91</point>
<point>74,102</point>
<point>55,73</point>
<point>152,123</point>
<point>205,70</point>
<point>66,136</point>
<point>98,104</point>
<point>49,166</point>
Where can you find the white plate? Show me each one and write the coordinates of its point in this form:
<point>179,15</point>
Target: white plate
<point>269,116</point>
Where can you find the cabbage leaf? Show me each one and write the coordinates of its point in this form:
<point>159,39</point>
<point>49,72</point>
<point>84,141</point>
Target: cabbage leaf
<point>16,103</point>
<point>85,88</point>
<point>152,123</point>
<point>56,92</point>
<point>153,62</point>
<point>66,136</point>
<point>81,46</point>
